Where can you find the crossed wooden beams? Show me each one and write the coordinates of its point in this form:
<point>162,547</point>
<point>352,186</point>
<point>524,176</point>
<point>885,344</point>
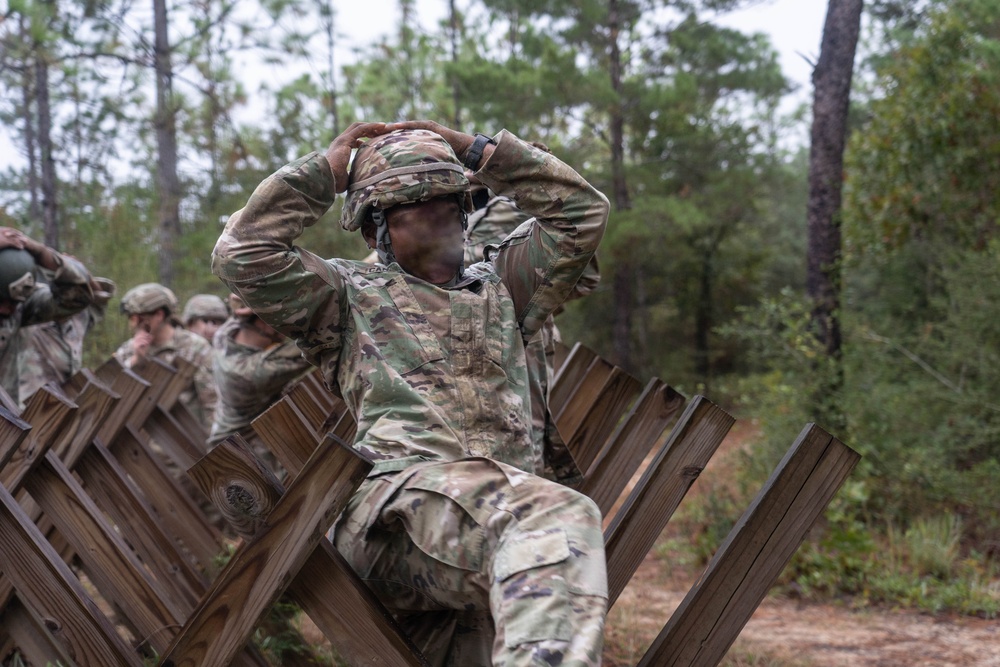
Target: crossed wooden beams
<point>82,479</point>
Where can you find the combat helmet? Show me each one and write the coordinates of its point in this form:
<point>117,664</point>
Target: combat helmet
<point>148,298</point>
<point>401,167</point>
<point>240,307</point>
<point>206,307</point>
<point>17,274</point>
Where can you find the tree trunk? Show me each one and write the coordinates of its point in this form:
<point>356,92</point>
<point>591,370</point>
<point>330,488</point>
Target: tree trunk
<point>625,271</point>
<point>165,124</point>
<point>703,318</point>
<point>832,84</point>
<point>456,99</point>
<point>50,202</point>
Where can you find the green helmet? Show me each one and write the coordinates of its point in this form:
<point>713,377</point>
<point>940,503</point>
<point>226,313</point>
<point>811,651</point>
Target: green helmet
<point>401,167</point>
<point>206,307</point>
<point>17,274</point>
<point>148,298</point>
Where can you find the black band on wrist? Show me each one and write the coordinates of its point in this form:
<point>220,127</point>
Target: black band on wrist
<point>475,152</point>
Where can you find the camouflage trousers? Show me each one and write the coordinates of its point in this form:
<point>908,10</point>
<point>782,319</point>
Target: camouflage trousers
<point>482,563</point>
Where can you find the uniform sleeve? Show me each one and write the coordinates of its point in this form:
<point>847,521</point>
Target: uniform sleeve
<point>291,289</point>
<point>68,292</point>
<point>204,382</point>
<point>541,262</point>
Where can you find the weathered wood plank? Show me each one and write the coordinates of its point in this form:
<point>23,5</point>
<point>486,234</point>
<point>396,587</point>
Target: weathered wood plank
<point>569,376</point>
<point>642,429</point>
<point>580,403</point>
<point>108,561</point>
<point>13,431</point>
<point>602,417</point>
<point>757,549</point>
<point>45,584</point>
<point>326,588</point>
<point>173,438</point>
<point>125,504</point>
<point>48,412</point>
<point>31,637</point>
<point>661,488</point>
<point>287,433</point>
<point>260,571</point>
<point>178,513</point>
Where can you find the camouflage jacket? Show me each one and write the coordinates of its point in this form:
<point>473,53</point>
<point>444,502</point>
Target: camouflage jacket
<point>487,227</point>
<point>249,379</point>
<point>429,373</point>
<point>200,398</point>
<point>53,351</point>
<point>68,291</point>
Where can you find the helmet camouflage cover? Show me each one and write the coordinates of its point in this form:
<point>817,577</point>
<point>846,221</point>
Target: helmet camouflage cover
<point>17,274</point>
<point>401,167</point>
<point>148,298</point>
<point>204,306</point>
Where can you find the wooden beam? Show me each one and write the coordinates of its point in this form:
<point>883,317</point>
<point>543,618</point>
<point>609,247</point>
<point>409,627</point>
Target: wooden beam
<point>261,570</point>
<point>758,548</point>
<point>47,585</point>
<point>660,490</point>
<point>337,601</point>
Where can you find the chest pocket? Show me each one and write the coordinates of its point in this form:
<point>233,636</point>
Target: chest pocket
<point>477,334</point>
<point>397,328</point>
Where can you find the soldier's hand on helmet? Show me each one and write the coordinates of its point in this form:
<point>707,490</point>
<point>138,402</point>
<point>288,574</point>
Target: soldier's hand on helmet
<point>339,152</point>
<point>460,141</point>
<point>13,238</point>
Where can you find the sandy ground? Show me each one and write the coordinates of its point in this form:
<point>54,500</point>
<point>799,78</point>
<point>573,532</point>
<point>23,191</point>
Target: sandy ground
<point>807,634</point>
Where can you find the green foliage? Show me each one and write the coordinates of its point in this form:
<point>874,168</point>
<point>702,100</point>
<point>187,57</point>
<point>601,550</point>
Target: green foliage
<point>925,164</point>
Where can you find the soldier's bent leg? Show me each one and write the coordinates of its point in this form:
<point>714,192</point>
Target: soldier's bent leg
<point>549,582</point>
<point>477,535</point>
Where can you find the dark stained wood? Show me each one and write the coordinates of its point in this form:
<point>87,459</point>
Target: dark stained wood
<point>178,514</point>
<point>123,501</point>
<point>107,560</point>
<point>326,588</point>
<point>713,613</point>
<point>642,429</point>
<point>661,488</point>
<point>287,432</point>
<point>569,375</point>
<point>585,394</point>
<point>31,637</point>
<point>173,438</point>
<point>603,415</point>
<point>13,431</point>
<point>46,584</point>
<point>48,411</point>
<point>261,570</point>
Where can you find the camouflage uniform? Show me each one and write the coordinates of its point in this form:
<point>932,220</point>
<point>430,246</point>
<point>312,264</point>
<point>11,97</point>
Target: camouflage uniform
<point>68,292</point>
<point>489,226</point>
<point>201,396</point>
<point>53,351</point>
<point>249,380</point>
<point>449,519</point>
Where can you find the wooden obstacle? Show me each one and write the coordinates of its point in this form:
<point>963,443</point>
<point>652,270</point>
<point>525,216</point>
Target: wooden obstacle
<point>94,491</point>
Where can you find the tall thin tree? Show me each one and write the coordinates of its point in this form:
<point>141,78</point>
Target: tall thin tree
<point>832,87</point>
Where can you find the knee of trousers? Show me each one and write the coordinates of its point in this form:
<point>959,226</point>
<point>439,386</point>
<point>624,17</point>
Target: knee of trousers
<point>549,580</point>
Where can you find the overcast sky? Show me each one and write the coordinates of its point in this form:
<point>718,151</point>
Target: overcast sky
<point>795,28</point>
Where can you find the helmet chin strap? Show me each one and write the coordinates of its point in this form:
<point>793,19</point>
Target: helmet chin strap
<point>383,245</point>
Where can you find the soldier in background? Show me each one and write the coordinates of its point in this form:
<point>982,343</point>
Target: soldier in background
<point>452,526</point>
<point>151,310</point>
<point>204,314</point>
<point>493,220</point>
<point>53,351</point>
<point>24,301</point>
<point>252,364</point>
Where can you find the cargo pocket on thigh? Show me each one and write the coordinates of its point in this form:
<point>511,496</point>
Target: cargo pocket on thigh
<point>534,602</point>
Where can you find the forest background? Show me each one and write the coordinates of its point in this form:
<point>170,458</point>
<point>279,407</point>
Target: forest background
<point>140,132</point>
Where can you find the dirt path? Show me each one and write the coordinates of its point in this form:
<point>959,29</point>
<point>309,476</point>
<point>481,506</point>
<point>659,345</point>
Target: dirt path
<point>800,634</point>
<point>813,635</point>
